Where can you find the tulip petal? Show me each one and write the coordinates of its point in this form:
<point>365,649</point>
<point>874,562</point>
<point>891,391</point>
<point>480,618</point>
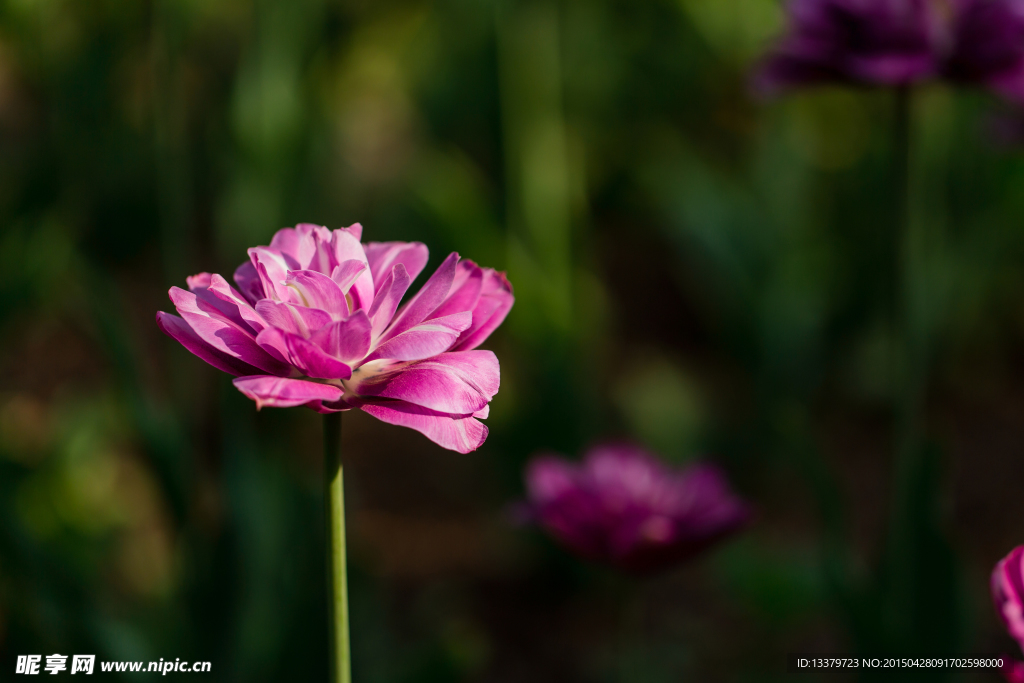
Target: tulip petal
<point>356,230</point>
<point>384,256</point>
<point>447,383</point>
<point>282,392</point>
<point>454,432</point>
<point>275,342</point>
<point>291,318</point>
<point>249,283</point>
<point>177,329</point>
<point>465,290</point>
<point>495,302</point>
<point>298,243</point>
<point>426,300</point>
<point>198,281</point>
<point>216,305</point>
<point>347,340</point>
<point>273,267</point>
<point>220,332</point>
<point>346,247</point>
<point>323,258</point>
<point>345,274</point>
<point>316,290</point>
<point>385,303</point>
<point>424,340</point>
<point>479,369</point>
<point>312,360</point>
<point>225,292</point>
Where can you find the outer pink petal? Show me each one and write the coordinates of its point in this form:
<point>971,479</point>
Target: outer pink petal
<point>221,306</point>
<point>178,329</point>
<point>318,291</point>
<point>347,340</point>
<point>222,333</point>
<point>313,362</point>
<point>454,432</point>
<point>383,256</point>
<point>465,291</point>
<point>447,384</point>
<point>198,281</point>
<point>281,392</point>
<point>425,340</point>
<point>495,302</point>
<point>423,304</point>
<point>480,369</point>
<point>225,292</point>
<point>385,303</point>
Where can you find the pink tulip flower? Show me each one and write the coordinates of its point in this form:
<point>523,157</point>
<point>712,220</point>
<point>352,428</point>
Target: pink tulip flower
<point>624,507</point>
<point>1008,595</point>
<point>315,321</point>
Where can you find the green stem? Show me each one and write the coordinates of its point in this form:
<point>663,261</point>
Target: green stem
<point>337,582</point>
<point>908,376</point>
<point>909,349</point>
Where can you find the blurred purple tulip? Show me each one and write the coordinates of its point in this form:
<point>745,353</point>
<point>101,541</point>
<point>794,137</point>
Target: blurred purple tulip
<point>898,43</point>
<point>869,42</point>
<point>624,507</point>
<point>987,46</point>
<point>1008,595</point>
<point>316,321</point>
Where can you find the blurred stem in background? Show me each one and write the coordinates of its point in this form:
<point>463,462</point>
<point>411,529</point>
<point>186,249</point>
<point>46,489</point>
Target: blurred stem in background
<point>337,579</point>
<point>170,141</point>
<point>560,303</point>
<point>537,166</point>
<point>905,372</point>
<point>918,564</point>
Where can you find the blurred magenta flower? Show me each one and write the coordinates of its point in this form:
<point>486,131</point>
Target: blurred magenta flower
<point>623,506</point>
<point>316,321</point>
<point>987,46</point>
<point>1008,594</point>
<point>869,42</point>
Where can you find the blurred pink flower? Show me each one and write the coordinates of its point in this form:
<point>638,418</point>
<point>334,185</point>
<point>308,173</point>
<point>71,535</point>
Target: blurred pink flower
<point>869,42</point>
<point>987,46</point>
<point>899,43</point>
<point>1008,595</point>
<point>623,506</point>
<point>316,321</point>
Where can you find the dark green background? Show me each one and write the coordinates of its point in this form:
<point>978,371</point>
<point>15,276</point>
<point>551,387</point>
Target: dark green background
<point>705,273</point>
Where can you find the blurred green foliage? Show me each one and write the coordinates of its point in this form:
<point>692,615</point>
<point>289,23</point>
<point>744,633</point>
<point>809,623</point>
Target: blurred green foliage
<point>706,273</point>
